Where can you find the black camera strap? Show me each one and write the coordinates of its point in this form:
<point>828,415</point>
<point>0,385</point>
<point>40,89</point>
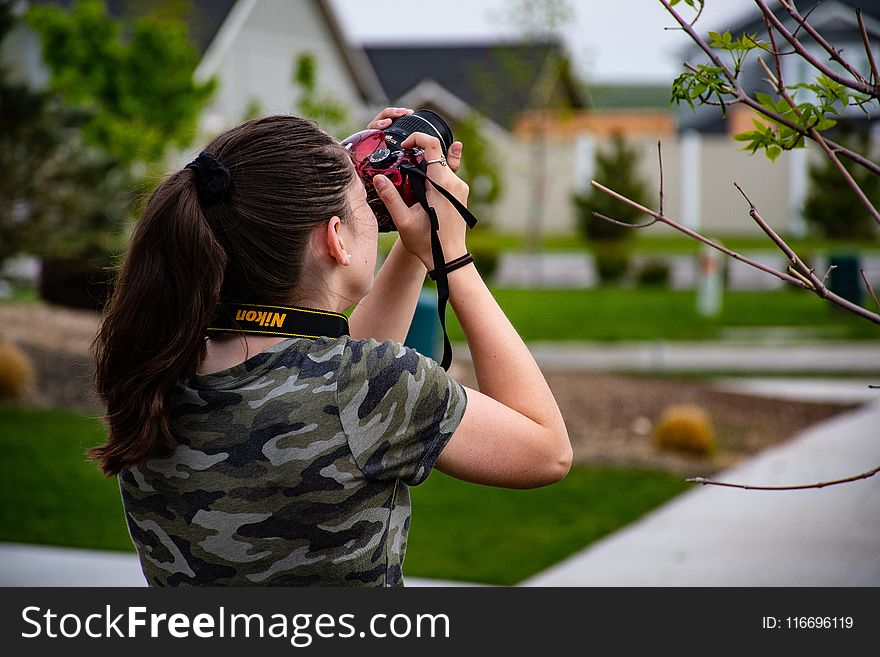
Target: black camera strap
<point>278,321</point>
<point>418,177</point>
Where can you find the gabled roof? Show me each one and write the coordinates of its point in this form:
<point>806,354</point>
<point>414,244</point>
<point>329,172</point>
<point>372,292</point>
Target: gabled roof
<point>498,80</point>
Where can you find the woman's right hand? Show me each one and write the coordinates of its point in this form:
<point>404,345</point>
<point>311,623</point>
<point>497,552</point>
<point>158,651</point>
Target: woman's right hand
<point>412,222</point>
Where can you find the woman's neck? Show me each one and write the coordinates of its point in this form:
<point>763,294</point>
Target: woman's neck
<point>228,351</point>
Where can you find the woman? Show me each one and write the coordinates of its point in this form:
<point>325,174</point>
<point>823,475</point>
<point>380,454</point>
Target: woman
<point>251,459</point>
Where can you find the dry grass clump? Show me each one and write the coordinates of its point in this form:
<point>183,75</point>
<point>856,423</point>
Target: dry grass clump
<point>16,371</point>
<point>685,428</point>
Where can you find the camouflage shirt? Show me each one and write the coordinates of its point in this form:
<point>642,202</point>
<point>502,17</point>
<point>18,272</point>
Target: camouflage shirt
<point>293,467</point>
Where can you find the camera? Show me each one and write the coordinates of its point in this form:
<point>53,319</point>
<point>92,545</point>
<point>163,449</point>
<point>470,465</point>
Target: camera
<point>379,151</point>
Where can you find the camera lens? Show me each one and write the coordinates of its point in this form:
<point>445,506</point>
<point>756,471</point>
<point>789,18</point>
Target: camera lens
<point>424,121</point>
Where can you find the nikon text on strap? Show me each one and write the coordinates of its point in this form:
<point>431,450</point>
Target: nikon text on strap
<point>278,321</point>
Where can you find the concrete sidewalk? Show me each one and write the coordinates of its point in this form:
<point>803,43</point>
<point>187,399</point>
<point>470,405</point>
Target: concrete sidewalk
<point>44,565</point>
<point>732,356</point>
<point>713,536</point>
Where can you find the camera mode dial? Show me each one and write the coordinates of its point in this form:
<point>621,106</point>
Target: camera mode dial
<point>381,157</point>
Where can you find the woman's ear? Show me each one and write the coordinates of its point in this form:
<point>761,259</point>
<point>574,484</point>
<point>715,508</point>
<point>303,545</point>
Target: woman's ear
<point>334,246</point>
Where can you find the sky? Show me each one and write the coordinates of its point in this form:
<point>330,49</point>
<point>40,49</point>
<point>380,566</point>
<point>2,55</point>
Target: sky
<point>609,40</point>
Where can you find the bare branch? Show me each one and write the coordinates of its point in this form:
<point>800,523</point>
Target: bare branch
<point>821,484</point>
<point>660,158</point>
<point>697,236</point>
<point>828,273</point>
<point>875,76</point>
<point>869,287</point>
<point>775,51</point>
<point>806,276</point>
<point>625,224</point>
<point>794,272</point>
<point>699,12</point>
<point>814,284</point>
<point>800,270</point>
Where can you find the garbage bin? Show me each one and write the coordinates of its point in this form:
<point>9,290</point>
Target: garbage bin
<point>845,279</point>
<point>424,332</point>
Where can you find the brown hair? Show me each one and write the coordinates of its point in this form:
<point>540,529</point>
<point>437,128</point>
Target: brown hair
<point>288,177</point>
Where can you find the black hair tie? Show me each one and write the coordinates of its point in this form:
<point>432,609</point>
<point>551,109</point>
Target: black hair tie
<point>213,179</point>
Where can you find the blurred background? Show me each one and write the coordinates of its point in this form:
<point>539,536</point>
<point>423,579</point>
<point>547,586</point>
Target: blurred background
<point>669,360</point>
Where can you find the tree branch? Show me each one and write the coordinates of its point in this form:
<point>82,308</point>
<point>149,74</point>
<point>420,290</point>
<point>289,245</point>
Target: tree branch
<point>742,96</point>
<point>820,140</point>
<point>859,83</point>
<point>776,55</point>
<point>811,283</point>
<point>821,484</point>
<point>875,76</point>
<point>660,159</point>
<point>690,233</point>
<point>869,287</point>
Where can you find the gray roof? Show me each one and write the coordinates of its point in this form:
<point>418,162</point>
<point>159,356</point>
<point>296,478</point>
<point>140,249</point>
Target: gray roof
<point>498,80</point>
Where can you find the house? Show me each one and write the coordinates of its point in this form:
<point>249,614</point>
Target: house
<point>495,82</point>
<point>253,55</point>
<point>250,47</point>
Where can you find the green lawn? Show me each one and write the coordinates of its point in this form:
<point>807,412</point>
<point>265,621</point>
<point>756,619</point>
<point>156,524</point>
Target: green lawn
<point>660,314</point>
<point>467,532</point>
<point>50,494</point>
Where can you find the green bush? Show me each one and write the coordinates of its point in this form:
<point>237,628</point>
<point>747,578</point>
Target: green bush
<point>612,261</point>
<point>486,260</point>
<point>654,273</point>
<point>832,209</point>
<point>616,168</point>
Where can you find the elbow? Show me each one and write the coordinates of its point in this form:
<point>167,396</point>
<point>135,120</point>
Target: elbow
<point>557,462</point>
<point>562,464</point>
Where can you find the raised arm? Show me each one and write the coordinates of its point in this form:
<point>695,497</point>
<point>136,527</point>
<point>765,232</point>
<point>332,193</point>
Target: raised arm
<point>386,312</point>
<point>512,433</point>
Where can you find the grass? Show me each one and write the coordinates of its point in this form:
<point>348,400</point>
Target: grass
<point>50,494</point>
<point>615,314</point>
<point>463,531</point>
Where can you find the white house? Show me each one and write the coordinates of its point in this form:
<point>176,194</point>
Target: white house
<point>253,56</point>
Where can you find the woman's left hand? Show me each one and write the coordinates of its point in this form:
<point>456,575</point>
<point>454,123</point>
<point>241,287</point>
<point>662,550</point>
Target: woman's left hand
<point>384,118</point>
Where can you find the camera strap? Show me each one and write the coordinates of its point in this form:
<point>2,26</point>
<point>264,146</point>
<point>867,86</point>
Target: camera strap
<point>418,177</point>
<point>278,321</point>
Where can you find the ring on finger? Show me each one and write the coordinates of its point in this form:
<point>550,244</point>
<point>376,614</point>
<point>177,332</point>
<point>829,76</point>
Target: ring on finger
<point>441,160</point>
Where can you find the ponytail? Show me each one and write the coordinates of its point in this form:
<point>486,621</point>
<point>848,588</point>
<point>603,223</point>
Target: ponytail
<point>153,331</point>
<point>281,178</point>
